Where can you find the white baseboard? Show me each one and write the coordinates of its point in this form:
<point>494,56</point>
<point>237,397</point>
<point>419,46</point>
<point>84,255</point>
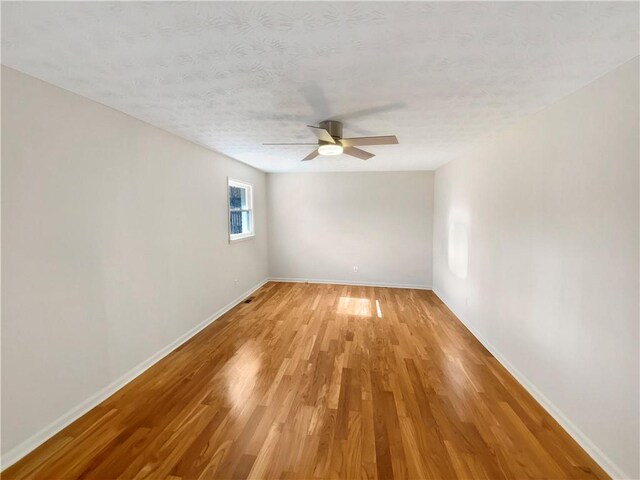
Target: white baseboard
<point>40,437</point>
<point>358,284</point>
<point>43,435</point>
<point>594,452</point>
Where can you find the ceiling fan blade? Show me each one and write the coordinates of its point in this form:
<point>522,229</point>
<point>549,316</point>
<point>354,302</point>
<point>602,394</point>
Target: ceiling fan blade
<point>289,144</point>
<point>322,134</point>
<point>356,152</point>
<point>311,156</point>
<point>384,140</point>
<point>371,111</point>
<point>315,97</point>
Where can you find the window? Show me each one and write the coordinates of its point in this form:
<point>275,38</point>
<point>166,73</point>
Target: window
<point>240,210</point>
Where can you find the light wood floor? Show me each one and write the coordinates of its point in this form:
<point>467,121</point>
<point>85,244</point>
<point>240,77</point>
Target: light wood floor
<point>309,381</point>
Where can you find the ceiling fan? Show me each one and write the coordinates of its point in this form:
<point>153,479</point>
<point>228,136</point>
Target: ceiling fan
<point>330,142</point>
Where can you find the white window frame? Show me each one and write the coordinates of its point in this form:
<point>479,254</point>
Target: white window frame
<point>234,237</point>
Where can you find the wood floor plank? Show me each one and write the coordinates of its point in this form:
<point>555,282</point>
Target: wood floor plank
<point>319,381</point>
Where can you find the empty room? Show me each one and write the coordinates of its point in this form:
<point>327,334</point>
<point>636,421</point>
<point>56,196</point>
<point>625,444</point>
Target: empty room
<point>313,240</point>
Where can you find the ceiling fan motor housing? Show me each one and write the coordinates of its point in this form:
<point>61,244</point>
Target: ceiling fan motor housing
<point>333,127</point>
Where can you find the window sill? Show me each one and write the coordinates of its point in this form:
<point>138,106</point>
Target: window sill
<point>243,237</point>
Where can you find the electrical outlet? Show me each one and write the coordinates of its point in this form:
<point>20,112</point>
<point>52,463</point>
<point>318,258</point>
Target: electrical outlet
<point>236,283</point>
<point>355,268</point>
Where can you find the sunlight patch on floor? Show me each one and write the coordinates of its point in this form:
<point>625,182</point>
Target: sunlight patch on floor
<point>378,309</point>
<point>354,306</point>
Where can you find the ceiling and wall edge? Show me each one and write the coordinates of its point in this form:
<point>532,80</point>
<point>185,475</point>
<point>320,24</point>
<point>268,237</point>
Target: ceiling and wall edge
<point>164,130</point>
<point>478,141</point>
<point>235,75</point>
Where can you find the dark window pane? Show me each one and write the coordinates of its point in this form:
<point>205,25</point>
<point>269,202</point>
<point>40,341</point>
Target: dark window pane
<point>235,197</point>
<point>236,222</point>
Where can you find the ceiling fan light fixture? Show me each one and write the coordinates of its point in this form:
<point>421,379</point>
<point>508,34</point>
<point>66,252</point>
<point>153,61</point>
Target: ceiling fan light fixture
<point>330,149</point>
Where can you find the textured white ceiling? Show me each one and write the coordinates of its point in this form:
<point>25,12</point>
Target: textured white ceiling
<point>231,76</point>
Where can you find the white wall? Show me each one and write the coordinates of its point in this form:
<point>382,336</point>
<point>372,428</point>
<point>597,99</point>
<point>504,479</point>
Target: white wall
<point>551,211</point>
<point>114,244</point>
<point>321,225</point>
